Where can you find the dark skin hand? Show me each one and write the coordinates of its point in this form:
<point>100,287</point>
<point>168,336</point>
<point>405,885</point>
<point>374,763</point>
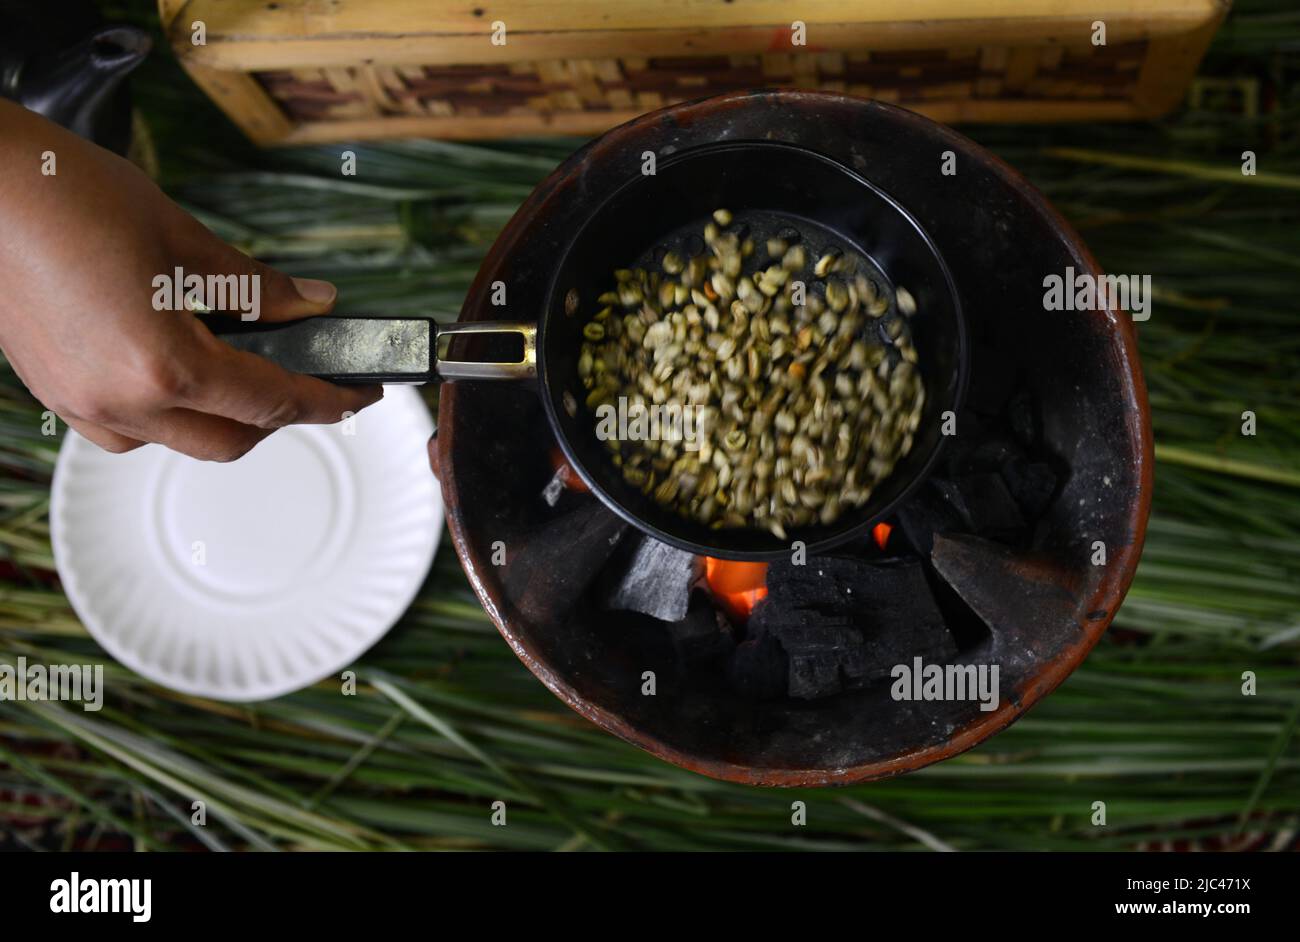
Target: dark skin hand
<point>79,251</point>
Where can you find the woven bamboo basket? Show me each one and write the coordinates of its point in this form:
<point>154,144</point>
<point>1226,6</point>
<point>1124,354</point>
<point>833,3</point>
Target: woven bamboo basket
<point>309,71</point>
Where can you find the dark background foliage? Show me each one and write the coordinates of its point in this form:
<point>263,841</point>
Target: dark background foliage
<point>446,720</point>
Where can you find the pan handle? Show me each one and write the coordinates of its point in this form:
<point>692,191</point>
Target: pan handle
<point>524,368</point>
<point>357,349</point>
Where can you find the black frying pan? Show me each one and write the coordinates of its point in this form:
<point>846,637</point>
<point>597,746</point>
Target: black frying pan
<point>768,181</point>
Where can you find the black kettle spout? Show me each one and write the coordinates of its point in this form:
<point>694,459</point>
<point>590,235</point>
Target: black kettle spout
<point>75,85</point>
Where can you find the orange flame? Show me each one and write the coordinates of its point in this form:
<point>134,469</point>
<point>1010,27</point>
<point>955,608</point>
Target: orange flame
<point>737,586</point>
<point>880,532</point>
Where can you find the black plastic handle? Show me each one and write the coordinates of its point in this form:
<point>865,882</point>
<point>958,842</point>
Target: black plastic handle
<point>355,349</point>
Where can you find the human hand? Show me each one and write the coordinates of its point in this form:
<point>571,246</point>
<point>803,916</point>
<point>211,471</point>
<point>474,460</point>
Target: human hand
<point>80,250</point>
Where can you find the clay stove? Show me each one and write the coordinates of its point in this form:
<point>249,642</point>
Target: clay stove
<point>992,560</point>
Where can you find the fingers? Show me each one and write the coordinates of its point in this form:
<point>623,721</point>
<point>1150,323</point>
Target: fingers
<point>241,386</point>
<point>202,436</point>
<point>208,400</point>
<point>203,398</point>
<point>206,437</point>
<point>105,438</point>
<point>252,390</point>
<point>272,295</point>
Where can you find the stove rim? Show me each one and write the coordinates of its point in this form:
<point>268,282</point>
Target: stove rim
<point>1107,596</point>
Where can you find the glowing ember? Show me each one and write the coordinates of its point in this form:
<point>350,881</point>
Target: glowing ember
<point>880,532</point>
<point>570,477</point>
<point>737,586</point>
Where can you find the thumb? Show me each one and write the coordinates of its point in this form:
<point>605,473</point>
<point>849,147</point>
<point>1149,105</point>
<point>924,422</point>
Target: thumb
<point>265,293</point>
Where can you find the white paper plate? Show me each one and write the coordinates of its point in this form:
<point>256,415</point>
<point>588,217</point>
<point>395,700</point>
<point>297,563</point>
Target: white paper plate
<point>248,580</point>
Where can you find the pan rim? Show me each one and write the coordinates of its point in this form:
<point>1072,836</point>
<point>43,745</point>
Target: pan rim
<point>857,530</point>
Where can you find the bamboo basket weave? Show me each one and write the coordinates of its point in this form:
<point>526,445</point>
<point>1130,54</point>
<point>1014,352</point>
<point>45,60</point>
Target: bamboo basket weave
<point>308,71</point>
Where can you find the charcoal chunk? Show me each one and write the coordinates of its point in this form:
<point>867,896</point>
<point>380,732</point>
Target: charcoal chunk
<point>927,638</point>
<point>870,595</point>
<point>557,562</point>
<point>814,676</point>
<point>843,622</point>
<point>824,657</point>
<point>994,454</point>
<point>1018,595</point>
<point>836,624</point>
<point>824,583</point>
<point>824,652</point>
<point>925,515</point>
<point>953,498</point>
<point>702,636</point>
<point>656,580</point>
<point>1032,485</point>
<point>1022,413</point>
<point>991,453</point>
<point>971,431</point>
<point>983,503</point>
<point>989,505</point>
<point>759,668</point>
